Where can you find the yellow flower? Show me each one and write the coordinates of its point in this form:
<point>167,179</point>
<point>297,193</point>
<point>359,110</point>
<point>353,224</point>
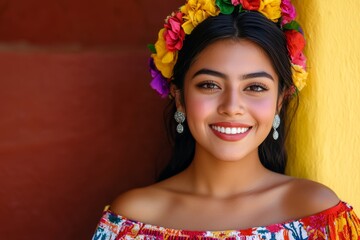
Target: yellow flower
<point>271,9</point>
<point>299,76</point>
<point>196,11</point>
<point>164,60</point>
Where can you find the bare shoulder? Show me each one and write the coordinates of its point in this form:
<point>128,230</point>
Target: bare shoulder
<point>309,197</point>
<point>141,204</point>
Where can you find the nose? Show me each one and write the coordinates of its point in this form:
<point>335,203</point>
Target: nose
<point>231,103</point>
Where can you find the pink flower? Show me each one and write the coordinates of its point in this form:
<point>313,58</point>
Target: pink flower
<point>288,12</point>
<point>235,2</point>
<point>174,34</point>
<point>300,60</point>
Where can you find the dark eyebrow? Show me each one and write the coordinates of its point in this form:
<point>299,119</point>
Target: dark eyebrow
<point>222,75</point>
<point>257,75</point>
<point>209,72</point>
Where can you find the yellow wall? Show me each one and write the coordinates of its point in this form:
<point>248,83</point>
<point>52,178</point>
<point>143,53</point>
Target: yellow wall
<point>324,144</point>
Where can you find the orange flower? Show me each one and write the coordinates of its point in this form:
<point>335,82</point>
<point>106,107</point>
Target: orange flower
<point>250,4</point>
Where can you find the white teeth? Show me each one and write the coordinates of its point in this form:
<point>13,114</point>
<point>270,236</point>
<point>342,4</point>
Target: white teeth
<point>230,131</point>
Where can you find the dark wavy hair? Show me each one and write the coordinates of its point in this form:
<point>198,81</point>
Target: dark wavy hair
<point>253,27</point>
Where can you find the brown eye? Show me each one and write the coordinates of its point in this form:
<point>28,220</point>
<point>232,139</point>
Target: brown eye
<point>208,85</point>
<point>257,88</point>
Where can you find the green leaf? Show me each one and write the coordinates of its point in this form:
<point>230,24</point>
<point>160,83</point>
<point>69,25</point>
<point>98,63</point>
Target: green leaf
<point>152,48</point>
<point>225,6</point>
<point>292,25</point>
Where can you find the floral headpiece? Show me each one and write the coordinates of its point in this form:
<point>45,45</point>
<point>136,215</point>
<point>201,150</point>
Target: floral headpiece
<point>182,22</point>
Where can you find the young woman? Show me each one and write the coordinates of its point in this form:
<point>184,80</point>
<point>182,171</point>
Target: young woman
<point>231,68</point>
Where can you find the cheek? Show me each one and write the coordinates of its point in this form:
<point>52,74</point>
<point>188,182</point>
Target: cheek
<point>197,107</point>
<point>263,110</point>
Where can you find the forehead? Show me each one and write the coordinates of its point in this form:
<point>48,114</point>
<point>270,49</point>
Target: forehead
<point>233,57</point>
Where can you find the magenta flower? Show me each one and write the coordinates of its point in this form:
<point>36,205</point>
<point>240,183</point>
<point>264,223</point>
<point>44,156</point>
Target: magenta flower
<point>288,11</point>
<point>174,34</point>
<point>158,83</point>
<point>235,2</point>
<point>300,60</point>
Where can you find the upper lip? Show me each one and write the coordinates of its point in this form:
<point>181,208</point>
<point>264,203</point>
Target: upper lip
<point>231,125</point>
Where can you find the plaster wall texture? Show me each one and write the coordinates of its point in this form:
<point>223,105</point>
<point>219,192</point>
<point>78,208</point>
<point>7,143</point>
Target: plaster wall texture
<point>325,137</point>
<point>76,112</point>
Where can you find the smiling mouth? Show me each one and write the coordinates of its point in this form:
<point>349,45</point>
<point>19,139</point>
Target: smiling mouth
<point>230,130</point>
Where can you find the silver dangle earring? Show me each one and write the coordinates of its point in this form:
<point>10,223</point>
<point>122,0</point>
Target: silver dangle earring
<point>179,118</point>
<point>276,124</point>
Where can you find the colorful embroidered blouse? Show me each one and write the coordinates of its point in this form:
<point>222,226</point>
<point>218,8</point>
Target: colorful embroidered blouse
<point>338,222</point>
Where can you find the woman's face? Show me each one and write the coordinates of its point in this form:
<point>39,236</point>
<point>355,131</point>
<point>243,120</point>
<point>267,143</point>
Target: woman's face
<point>231,97</point>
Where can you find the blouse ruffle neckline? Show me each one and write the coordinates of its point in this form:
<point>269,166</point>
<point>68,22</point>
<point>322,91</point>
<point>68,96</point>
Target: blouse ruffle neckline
<point>338,222</point>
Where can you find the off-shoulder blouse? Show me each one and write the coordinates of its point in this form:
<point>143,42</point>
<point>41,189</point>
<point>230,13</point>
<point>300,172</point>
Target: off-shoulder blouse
<point>338,222</point>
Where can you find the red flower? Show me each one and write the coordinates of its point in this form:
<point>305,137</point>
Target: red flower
<point>174,34</point>
<point>250,4</point>
<point>295,43</point>
<point>247,232</point>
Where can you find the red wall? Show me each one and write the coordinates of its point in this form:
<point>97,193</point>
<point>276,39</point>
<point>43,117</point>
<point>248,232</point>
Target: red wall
<point>79,123</point>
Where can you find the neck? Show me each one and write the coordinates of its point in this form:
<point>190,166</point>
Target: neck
<point>223,179</point>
